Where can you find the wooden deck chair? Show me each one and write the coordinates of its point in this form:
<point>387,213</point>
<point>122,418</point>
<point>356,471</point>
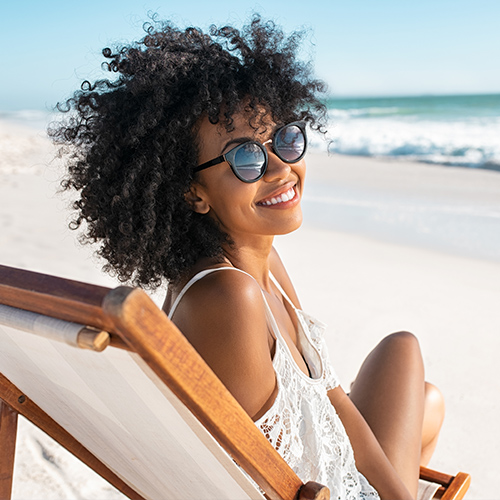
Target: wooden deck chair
<point>111,379</point>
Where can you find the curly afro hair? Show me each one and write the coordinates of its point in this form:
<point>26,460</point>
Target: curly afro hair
<point>131,142</point>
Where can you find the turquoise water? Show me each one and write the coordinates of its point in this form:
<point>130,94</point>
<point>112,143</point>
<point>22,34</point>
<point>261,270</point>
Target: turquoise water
<point>462,130</point>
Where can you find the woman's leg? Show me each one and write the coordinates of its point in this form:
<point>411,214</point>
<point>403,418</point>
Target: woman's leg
<point>433,420</point>
<point>389,391</point>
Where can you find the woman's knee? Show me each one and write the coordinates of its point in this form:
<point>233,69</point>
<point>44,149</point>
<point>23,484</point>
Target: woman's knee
<point>402,344</point>
<point>395,361</point>
<point>402,337</point>
<point>434,408</point>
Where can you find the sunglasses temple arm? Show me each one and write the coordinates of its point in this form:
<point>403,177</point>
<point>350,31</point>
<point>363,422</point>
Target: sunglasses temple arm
<point>210,163</point>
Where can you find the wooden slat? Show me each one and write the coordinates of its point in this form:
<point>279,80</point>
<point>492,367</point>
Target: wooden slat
<point>8,434</point>
<point>56,297</point>
<point>313,491</point>
<point>23,405</point>
<point>168,353</point>
<point>435,476</point>
<point>439,493</point>
<point>453,487</point>
<point>458,487</point>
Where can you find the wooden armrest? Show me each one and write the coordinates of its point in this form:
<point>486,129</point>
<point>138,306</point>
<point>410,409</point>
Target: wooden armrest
<point>452,487</point>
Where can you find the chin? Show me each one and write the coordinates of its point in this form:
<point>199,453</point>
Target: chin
<point>290,227</point>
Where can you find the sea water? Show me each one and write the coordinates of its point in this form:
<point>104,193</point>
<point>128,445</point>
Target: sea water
<point>459,130</point>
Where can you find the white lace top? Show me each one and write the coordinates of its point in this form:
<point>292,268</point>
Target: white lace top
<point>302,424</point>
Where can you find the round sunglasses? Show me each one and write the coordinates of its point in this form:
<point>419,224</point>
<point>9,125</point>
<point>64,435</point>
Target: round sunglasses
<point>249,160</point>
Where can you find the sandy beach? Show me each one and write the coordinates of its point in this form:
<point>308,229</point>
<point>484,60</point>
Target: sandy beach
<point>385,246</point>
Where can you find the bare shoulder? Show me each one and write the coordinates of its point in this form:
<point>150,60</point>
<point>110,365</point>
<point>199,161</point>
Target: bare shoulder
<point>224,317</point>
<point>280,273</point>
<point>229,293</point>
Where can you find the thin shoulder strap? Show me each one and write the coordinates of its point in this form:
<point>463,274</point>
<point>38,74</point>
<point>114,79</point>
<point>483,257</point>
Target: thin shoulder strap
<point>194,279</point>
<point>274,326</point>
<point>280,288</point>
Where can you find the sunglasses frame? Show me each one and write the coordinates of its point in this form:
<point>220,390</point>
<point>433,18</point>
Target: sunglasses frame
<point>230,155</point>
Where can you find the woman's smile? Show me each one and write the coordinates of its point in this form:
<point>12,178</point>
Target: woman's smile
<point>282,199</point>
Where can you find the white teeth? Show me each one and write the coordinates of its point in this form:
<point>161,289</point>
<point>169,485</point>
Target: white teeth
<point>282,198</point>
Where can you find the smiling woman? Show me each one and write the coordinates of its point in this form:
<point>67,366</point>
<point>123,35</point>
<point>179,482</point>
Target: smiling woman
<point>187,166</point>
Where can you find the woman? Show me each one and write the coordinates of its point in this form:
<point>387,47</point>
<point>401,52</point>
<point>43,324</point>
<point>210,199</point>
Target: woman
<point>188,165</point>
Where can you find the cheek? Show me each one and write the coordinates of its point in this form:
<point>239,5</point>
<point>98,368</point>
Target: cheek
<point>301,169</point>
<point>301,174</point>
<point>228,197</point>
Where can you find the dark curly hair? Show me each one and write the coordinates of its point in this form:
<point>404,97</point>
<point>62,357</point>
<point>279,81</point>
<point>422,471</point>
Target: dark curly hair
<point>131,142</point>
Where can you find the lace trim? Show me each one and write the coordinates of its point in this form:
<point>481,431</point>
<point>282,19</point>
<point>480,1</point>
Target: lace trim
<point>316,330</point>
<point>303,426</point>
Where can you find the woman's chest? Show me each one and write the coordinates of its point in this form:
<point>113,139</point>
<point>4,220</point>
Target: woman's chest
<point>289,327</point>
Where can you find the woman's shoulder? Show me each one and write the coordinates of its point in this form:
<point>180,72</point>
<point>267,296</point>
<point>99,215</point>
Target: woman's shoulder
<point>221,297</point>
<point>223,284</point>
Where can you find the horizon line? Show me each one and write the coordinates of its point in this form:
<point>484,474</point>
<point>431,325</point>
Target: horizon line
<point>328,97</point>
<point>397,95</point>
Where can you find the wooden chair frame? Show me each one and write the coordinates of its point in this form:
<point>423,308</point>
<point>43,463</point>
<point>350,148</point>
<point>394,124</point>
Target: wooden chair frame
<point>136,324</point>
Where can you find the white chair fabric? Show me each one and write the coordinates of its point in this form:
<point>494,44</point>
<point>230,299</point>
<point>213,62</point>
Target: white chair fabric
<point>114,405</point>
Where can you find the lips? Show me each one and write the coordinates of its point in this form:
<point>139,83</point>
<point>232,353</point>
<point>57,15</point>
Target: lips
<point>280,198</point>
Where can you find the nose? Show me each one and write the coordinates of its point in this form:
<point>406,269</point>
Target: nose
<point>277,169</point>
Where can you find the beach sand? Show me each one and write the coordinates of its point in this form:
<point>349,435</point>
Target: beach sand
<point>363,287</point>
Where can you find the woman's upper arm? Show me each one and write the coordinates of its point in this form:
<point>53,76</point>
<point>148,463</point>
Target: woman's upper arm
<point>224,318</point>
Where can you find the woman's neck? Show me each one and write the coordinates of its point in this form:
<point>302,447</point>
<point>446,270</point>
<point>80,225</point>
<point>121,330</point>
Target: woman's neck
<point>252,258</point>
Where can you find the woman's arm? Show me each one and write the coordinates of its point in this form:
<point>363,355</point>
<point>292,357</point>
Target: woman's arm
<point>371,460</point>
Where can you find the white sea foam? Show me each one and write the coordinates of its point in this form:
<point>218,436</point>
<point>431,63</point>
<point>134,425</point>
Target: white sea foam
<point>32,118</point>
<point>363,112</point>
<point>471,143</point>
<point>449,130</point>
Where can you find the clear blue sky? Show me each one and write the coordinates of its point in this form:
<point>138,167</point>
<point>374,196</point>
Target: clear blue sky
<point>360,47</point>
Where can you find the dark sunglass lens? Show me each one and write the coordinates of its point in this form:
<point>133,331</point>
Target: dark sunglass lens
<point>249,161</point>
<point>290,143</point>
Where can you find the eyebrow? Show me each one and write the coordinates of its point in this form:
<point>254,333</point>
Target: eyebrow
<point>241,140</point>
<point>237,140</point>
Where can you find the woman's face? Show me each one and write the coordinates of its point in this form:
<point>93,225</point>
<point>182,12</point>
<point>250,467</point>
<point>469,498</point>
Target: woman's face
<point>247,209</point>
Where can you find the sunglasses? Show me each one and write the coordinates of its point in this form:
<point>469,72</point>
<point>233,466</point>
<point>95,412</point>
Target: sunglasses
<point>249,160</point>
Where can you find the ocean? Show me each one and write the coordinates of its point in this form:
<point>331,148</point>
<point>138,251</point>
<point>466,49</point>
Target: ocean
<point>459,130</point>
